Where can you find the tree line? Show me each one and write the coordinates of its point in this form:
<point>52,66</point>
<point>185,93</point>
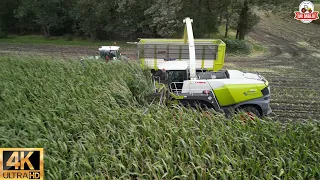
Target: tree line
<point>130,19</point>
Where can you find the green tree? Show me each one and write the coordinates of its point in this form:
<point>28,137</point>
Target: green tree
<point>247,18</point>
<point>7,20</point>
<point>205,14</point>
<point>132,21</point>
<point>164,19</point>
<point>47,14</point>
<point>228,10</point>
<point>94,18</point>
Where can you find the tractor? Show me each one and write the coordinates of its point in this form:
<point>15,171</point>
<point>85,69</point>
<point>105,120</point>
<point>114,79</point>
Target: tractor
<point>109,53</point>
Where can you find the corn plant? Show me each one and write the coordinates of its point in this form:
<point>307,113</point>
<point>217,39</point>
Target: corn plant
<point>89,120</point>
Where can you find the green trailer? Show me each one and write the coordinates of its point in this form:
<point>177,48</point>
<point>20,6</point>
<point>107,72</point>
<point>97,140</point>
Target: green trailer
<point>210,53</point>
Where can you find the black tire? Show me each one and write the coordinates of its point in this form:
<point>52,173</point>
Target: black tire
<point>251,109</point>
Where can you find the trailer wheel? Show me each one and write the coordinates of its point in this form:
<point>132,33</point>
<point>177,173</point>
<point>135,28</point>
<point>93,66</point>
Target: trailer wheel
<point>250,112</point>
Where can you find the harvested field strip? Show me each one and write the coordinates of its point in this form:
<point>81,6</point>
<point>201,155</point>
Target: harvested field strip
<point>297,98</point>
<point>297,87</point>
<point>288,91</point>
<point>296,114</point>
<point>293,80</point>
<point>294,117</point>
<point>293,113</point>
<point>289,103</point>
<point>305,111</point>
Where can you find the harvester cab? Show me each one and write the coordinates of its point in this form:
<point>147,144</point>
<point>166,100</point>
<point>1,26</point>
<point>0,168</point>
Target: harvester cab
<point>191,71</point>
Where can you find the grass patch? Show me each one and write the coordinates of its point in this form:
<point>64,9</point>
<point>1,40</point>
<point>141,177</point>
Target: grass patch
<point>35,39</point>
<point>88,118</point>
<point>237,47</point>
<point>256,47</point>
<point>303,44</point>
<point>221,32</point>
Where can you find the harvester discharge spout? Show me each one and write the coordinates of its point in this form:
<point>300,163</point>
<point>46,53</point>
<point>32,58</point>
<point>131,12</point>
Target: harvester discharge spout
<point>188,38</point>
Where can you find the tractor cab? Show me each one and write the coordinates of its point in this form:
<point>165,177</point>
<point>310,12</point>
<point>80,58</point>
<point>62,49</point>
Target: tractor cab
<point>110,52</point>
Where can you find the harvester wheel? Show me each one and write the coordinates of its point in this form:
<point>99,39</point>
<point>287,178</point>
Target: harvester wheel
<point>250,112</point>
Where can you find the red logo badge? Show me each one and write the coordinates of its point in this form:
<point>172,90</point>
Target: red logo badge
<point>306,13</point>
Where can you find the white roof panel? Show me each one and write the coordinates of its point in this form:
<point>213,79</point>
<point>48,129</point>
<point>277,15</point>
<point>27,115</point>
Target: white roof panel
<point>109,48</point>
<point>173,65</point>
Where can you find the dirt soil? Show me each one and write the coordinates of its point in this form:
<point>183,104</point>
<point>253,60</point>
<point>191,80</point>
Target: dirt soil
<point>55,50</point>
<point>291,64</point>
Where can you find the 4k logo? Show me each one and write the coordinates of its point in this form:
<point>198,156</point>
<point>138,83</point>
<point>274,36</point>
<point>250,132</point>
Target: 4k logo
<point>21,163</point>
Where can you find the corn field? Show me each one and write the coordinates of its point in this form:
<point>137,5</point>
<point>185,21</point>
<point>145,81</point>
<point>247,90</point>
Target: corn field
<point>89,118</point>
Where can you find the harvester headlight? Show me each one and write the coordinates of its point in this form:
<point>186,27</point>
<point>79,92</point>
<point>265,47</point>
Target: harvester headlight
<point>206,92</point>
<point>265,91</point>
